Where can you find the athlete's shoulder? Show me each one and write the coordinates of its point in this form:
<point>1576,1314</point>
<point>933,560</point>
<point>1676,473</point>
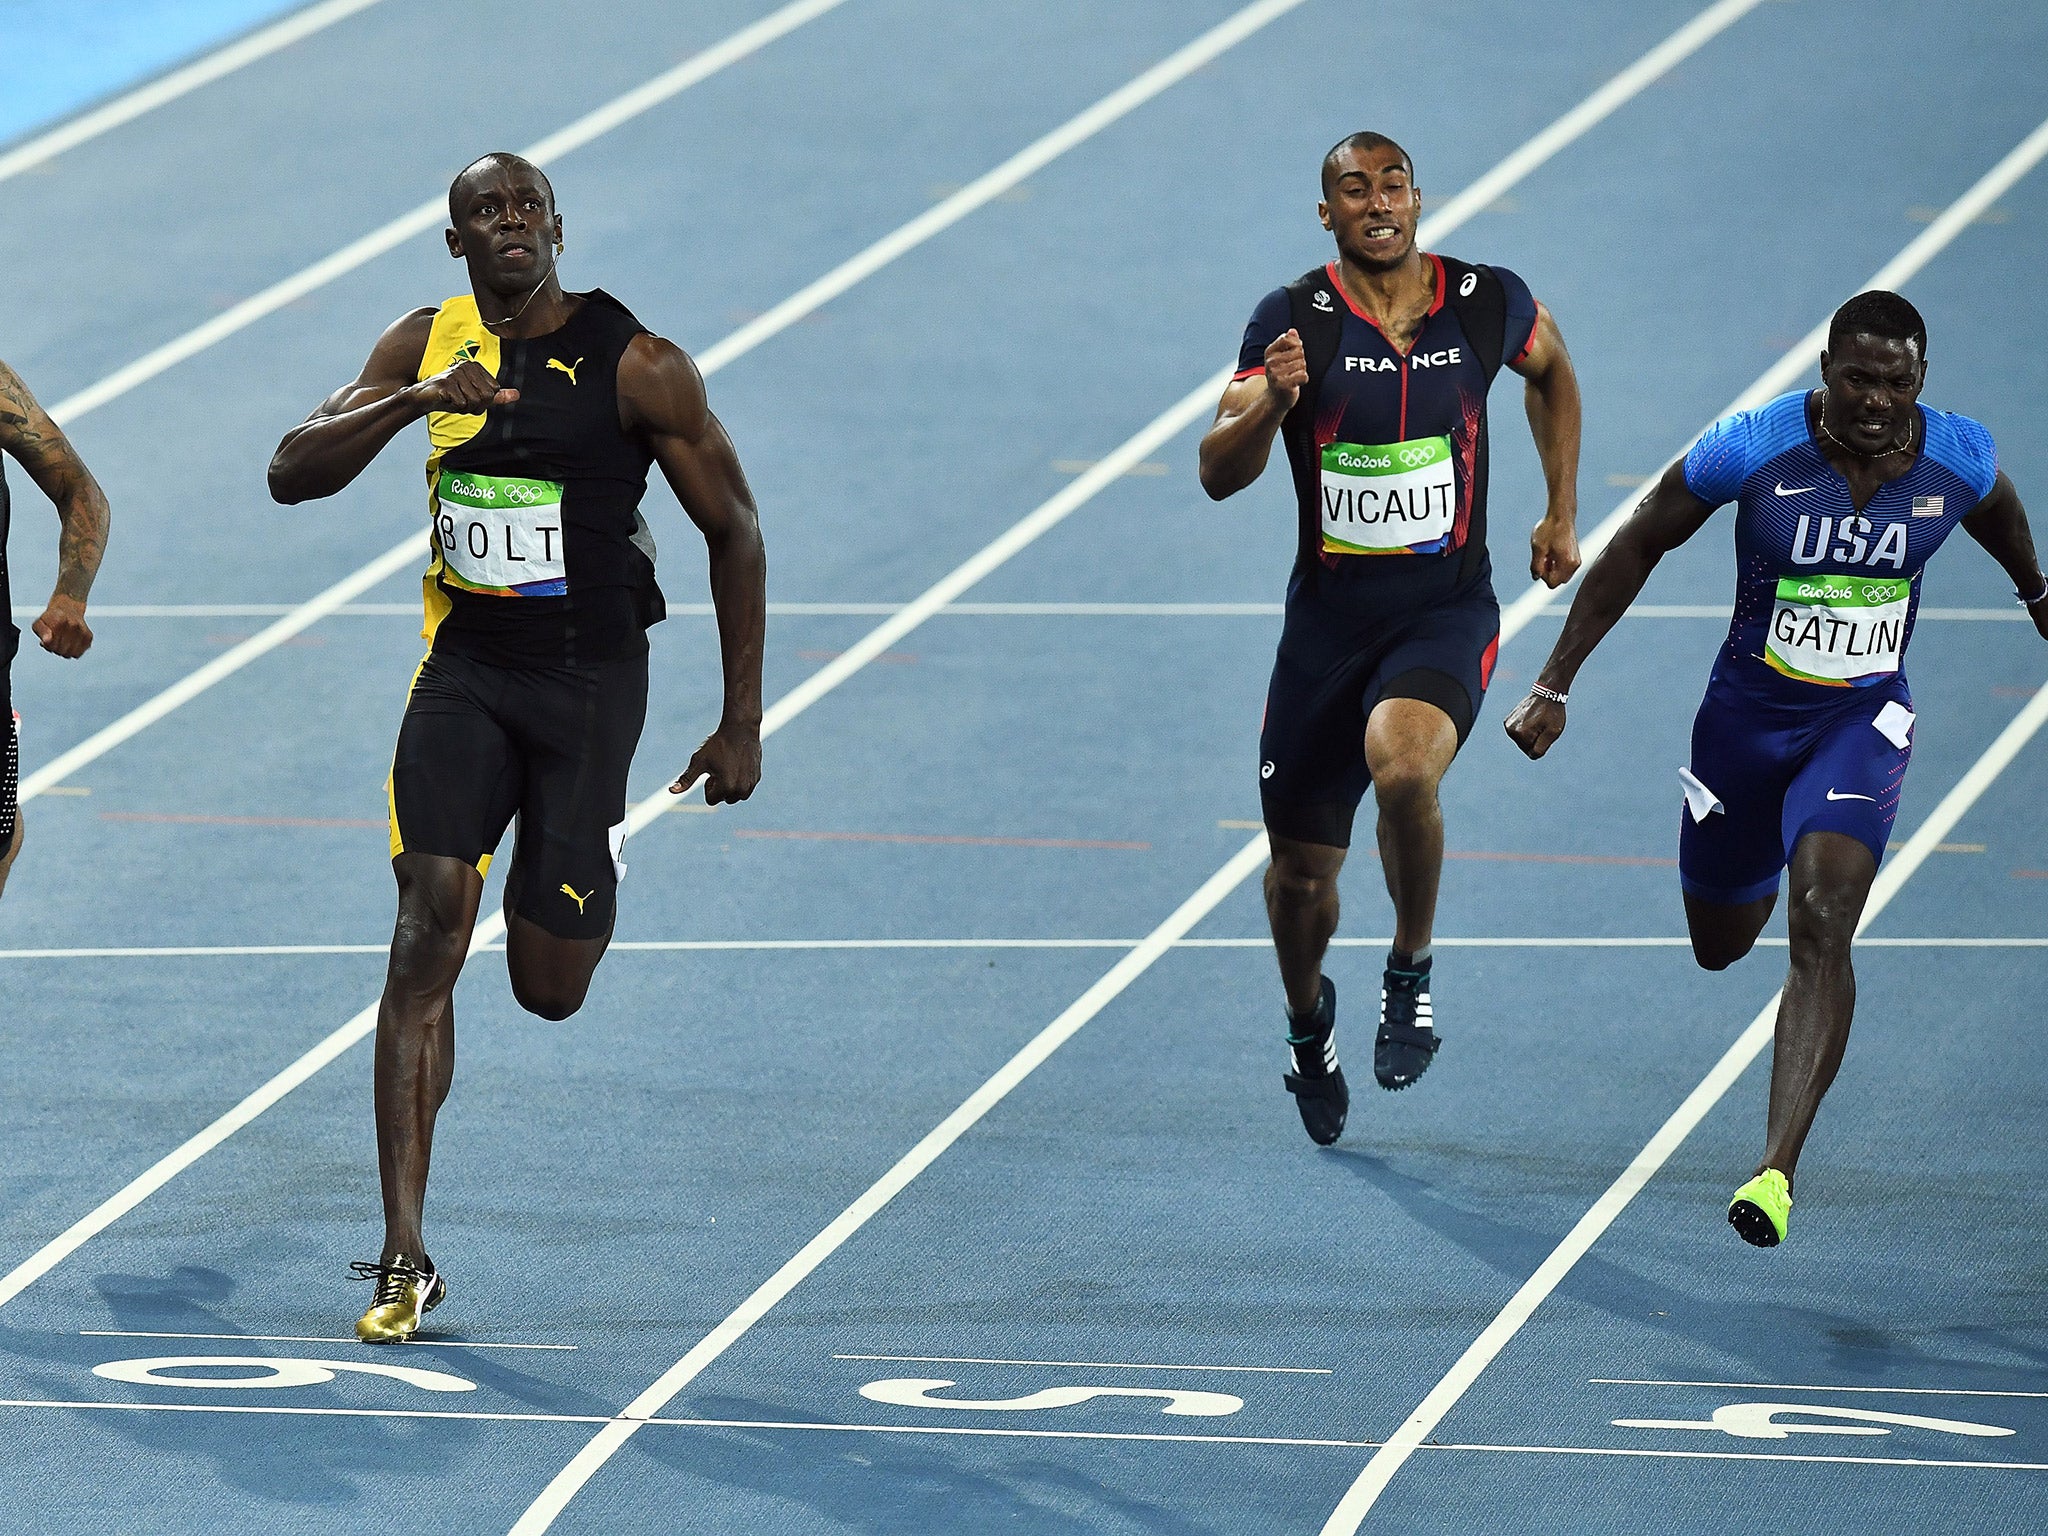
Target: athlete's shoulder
<point>604,308</point>
<point>660,386</point>
<point>1962,445</point>
<point>1741,443</point>
<point>1273,318</point>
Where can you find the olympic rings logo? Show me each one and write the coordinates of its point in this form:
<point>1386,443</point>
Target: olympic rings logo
<point>1417,454</point>
<point>528,495</point>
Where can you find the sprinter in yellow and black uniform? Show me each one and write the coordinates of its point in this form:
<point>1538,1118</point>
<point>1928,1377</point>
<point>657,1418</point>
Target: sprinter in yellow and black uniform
<point>544,410</point>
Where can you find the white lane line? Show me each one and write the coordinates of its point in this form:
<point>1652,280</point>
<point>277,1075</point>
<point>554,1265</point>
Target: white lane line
<point>294,1338</point>
<point>1357,1503</point>
<point>179,82</point>
<point>388,237</point>
<point>1098,1365</point>
<point>1038,522</point>
<point>1805,353</point>
<point>1766,1386</point>
<point>1713,611</point>
<point>692,946</point>
<point>972,1432</point>
<point>412,549</point>
<point>1200,402</point>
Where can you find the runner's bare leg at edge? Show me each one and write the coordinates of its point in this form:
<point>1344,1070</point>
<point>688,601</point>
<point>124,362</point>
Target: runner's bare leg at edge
<point>544,410</point>
<point>1800,747</point>
<point>32,439</point>
<point>1373,371</point>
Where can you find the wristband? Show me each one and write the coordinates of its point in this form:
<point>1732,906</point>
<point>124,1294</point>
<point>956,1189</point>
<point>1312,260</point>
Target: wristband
<point>2036,600</point>
<point>1555,697</point>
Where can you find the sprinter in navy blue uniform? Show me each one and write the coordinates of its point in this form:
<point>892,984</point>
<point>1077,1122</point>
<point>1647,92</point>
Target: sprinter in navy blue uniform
<point>1799,751</point>
<point>1374,372</point>
<point>29,435</point>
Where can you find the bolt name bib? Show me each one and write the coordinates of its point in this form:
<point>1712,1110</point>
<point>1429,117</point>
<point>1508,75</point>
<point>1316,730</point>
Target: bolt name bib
<point>1389,499</point>
<point>500,536</point>
<point>1842,631</point>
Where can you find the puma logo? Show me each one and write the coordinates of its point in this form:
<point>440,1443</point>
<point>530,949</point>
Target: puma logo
<point>567,889</point>
<point>569,369</point>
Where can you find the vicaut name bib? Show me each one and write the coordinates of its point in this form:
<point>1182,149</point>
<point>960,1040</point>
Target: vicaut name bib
<point>500,536</point>
<point>1389,499</point>
<point>1841,631</point>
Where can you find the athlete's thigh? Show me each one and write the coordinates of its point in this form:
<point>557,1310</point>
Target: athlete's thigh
<point>455,775</point>
<point>1849,782</point>
<point>1444,657</point>
<point>577,729</point>
<point>1312,770</point>
<point>1730,852</point>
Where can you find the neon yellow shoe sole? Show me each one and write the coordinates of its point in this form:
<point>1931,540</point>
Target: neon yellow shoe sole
<point>1762,1209</point>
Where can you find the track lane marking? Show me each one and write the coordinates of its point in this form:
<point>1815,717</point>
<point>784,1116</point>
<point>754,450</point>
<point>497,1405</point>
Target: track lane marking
<point>1198,403</point>
<point>1021,535</point>
<point>295,1338</point>
<point>1096,1365</point>
<point>179,82</point>
<point>1760,1386</point>
<point>410,551</point>
<point>1358,1501</point>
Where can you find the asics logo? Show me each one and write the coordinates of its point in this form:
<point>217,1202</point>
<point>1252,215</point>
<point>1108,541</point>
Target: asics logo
<point>1468,287</point>
<point>570,892</point>
<point>1832,795</point>
<point>1780,489</point>
<point>568,368</point>
<point>1265,770</point>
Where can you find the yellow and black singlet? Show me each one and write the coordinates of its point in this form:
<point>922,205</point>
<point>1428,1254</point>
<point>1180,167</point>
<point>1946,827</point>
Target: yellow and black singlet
<point>540,555</point>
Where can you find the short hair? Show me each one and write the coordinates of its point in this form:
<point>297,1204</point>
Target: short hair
<point>1362,141</point>
<point>497,156</point>
<point>1879,313</point>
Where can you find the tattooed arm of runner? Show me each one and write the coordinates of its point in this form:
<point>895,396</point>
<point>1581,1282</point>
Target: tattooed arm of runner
<point>28,433</point>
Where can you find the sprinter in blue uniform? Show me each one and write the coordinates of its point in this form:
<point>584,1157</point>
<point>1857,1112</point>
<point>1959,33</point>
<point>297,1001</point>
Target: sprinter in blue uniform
<point>1374,372</point>
<point>1799,750</point>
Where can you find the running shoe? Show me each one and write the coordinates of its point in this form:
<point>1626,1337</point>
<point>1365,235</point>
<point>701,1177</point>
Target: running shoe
<point>1762,1209</point>
<point>1319,1093</point>
<point>1407,1039</point>
<point>405,1295</point>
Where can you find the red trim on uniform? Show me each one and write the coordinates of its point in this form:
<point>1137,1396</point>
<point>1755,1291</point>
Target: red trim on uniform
<point>1248,373</point>
<point>1441,289</point>
<point>1435,304</point>
<point>1534,326</point>
<point>1402,430</point>
<point>1486,661</point>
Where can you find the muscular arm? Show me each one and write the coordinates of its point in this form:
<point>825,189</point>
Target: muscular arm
<point>1668,516</point>
<point>29,435</point>
<point>1237,445</point>
<point>351,426</point>
<point>1999,523</point>
<point>662,401</point>
<point>1551,396</point>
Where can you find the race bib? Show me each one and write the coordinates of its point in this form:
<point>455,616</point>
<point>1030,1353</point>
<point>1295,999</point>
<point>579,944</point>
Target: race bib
<point>1843,631</point>
<point>500,536</point>
<point>1390,499</point>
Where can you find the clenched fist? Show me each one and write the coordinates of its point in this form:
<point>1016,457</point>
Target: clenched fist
<point>467,389</point>
<point>1286,369</point>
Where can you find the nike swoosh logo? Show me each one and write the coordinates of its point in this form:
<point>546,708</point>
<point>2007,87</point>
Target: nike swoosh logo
<point>1780,489</point>
<point>1833,796</point>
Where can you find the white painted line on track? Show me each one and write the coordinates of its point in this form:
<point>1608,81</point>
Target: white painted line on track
<point>979,1432</point>
<point>179,82</point>
<point>694,946</point>
<point>411,550</point>
<point>408,553</point>
<point>1358,1501</point>
<point>1020,536</point>
<point>1197,404</point>
<point>294,1338</point>
<point>1098,1365</point>
<point>1763,1386</point>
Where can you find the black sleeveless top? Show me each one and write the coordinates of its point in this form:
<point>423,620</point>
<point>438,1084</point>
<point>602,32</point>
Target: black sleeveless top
<point>10,637</point>
<point>540,554</point>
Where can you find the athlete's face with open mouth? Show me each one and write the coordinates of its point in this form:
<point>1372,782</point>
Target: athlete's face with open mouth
<point>1371,205</point>
<point>1872,384</point>
<point>506,229</point>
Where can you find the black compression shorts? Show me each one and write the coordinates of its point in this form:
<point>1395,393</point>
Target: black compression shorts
<point>553,745</point>
<point>1312,769</point>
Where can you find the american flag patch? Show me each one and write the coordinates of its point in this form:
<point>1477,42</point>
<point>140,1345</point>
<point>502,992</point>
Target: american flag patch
<point>1927,506</point>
